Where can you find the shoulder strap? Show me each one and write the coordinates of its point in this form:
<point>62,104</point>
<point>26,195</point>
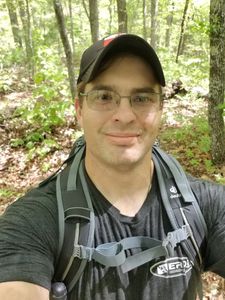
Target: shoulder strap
<point>76,219</point>
<point>183,209</point>
<point>182,182</point>
<point>187,213</point>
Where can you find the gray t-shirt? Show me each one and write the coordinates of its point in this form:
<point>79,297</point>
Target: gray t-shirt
<point>29,239</point>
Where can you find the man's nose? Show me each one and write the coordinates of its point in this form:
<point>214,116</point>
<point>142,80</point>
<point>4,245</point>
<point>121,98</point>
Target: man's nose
<point>124,112</point>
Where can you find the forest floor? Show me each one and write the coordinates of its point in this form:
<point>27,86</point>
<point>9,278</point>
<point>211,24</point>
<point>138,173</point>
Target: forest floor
<point>183,134</point>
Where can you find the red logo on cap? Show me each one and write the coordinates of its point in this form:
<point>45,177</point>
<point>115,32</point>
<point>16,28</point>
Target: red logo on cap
<point>110,38</point>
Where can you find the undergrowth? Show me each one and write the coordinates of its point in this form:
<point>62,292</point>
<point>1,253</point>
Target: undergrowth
<point>190,144</point>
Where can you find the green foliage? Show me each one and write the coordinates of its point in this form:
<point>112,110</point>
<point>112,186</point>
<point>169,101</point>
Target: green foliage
<point>17,142</point>
<point>191,71</point>
<point>194,138</point>
<point>45,166</point>
<point>6,193</point>
<point>5,83</point>
<point>43,114</point>
<point>47,107</point>
<point>42,149</point>
<point>222,106</point>
<point>210,168</point>
<point>12,57</point>
<point>220,179</point>
<point>50,76</point>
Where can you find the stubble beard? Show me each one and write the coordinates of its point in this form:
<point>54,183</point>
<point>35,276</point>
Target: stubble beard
<point>120,158</point>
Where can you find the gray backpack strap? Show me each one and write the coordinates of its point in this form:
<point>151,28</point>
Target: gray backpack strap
<point>114,254</point>
<point>76,220</point>
<point>182,183</point>
<point>88,230</point>
<point>182,214</point>
<point>176,172</point>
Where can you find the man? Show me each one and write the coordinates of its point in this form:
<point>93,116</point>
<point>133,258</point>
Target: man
<point>119,106</point>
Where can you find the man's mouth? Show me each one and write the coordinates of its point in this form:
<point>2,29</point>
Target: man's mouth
<point>122,138</point>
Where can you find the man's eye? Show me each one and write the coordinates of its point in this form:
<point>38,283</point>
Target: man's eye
<point>104,96</point>
<point>141,99</point>
<point>145,98</point>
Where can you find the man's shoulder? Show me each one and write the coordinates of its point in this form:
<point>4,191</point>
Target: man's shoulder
<point>39,199</point>
<point>200,185</point>
<point>29,234</point>
<point>208,193</point>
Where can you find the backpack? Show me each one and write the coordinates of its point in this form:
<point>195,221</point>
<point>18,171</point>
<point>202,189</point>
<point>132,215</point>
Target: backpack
<point>76,219</point>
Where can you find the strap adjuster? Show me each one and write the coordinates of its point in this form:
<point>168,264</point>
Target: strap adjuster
<point>175,237</point>
<point>82,252</point>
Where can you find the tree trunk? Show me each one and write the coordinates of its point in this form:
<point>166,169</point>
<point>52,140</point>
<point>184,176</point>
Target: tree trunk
<point>29,38</point>
<point>85,8</point>
<point>94,21</point>
<point>27,35</point>
<point>169,22</point>
<point>122,16</point>
<point>93,17</point>
<point>217,80</point>
<point>184,42</point>
<point>110,8</point>
<point>14,22</point>
<point>66,44</point>
<point>72,27</point>
<point>182,29</point>
<point>144,13</point>
<point>154,12</point>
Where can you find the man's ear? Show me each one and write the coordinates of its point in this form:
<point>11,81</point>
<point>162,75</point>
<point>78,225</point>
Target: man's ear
<point>76,104</point>
<point>78,110</point>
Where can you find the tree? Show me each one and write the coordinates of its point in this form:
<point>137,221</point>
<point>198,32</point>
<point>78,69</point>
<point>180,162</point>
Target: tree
<point>71,26</point>
<point>144,13</point>
<point>14,22</point>
<point>66,44</point>
<point>154,12</point>
<point>122,15</point>
<point>182,29</point>
<point>24,10</point>
<point>110,8</point>
<point>93,17</point>
<point>94,21</point>
<point>217,79</point>
<point>169,22</point>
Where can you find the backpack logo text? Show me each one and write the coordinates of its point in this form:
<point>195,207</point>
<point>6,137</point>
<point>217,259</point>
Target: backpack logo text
<point>171,267</point>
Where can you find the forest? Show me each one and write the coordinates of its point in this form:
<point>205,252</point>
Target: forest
<point>41,43</point>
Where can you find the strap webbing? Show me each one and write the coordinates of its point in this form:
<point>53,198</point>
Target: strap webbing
<point>60,214</point>
<point>90,237</point>
<point>182,183</point>
<point>164,195</point>
<point>176,172</point>
<point>113,254</point>
<point>72,178</point>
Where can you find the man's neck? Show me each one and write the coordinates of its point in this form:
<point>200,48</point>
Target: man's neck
<point>126,189</point>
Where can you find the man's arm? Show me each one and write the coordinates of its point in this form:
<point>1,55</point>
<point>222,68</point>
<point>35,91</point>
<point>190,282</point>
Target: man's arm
<point>19,290</point>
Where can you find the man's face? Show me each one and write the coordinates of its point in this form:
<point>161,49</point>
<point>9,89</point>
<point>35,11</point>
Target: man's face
<point>121,138</point>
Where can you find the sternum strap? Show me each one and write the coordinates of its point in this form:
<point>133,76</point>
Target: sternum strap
<point>114,255</point>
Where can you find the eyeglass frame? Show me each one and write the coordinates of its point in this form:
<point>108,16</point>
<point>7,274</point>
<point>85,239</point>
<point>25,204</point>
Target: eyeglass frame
<point>120,97</point>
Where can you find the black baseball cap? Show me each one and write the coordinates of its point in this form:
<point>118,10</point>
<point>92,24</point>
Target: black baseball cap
<point>100,50</point>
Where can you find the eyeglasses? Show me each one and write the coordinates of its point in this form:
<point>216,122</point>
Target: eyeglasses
<point>107,100</point>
